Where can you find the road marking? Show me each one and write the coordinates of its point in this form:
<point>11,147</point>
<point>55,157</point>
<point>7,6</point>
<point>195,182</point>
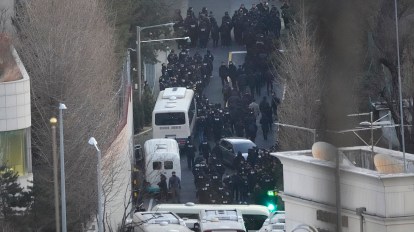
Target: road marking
<point>234,52</point>
<point>150,204</point>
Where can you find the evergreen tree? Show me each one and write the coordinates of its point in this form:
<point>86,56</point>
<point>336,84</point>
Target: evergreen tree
<point>12,196</point>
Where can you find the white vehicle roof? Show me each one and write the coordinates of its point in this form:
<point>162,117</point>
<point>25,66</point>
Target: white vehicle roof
<point>158,221</point>
<point>190,207</point>
<point>177,99</point>
<point>221,220</point>
<point>161,146</point>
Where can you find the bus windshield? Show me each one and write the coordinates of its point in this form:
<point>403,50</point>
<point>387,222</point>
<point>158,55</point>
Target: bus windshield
<point>165,119</point>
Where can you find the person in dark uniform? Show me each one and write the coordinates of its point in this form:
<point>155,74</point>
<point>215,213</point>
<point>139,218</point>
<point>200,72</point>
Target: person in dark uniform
<point>217,152</point>
<point>223,72</point>
<point>163,188</point>
<point>215,33</point>
<point>237,160</point>
<point>251,130</point>
<point>204,28</point>
<point>265,122</point>
<point>275,103</point>
<point>204,149</point>
<point>172,57</point>
<point>204,193</point>
<point>244,188</point>
<point>233,74</point>
<point>225,30</point>
<point>189,151</point>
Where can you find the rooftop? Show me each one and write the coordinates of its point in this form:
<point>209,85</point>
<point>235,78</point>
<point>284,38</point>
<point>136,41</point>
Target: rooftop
<point>360,160</point>
<point>9,71</point>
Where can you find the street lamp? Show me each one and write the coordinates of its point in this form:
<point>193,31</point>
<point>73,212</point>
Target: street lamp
<point>92,141</point>
<point>139,29</point>
<point>62,167</point>
<point>53,122</point>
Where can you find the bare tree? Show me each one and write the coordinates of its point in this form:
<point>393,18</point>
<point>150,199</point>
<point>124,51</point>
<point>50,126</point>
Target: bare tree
<point>299,70</point>
<point>68,49</point>
<point>384,37</point>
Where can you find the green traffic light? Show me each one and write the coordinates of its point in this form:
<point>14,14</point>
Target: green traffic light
<point>271,207</point>
<point>270,193</point>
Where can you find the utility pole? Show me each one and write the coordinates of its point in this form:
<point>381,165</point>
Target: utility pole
<point>139,63</point>
<point>53,122</point>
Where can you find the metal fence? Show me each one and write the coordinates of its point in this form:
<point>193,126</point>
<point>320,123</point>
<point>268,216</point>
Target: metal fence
<point>124,90</point>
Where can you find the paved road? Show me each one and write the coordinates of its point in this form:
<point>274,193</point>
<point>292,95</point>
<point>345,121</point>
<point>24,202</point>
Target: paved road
<point>213,91</point>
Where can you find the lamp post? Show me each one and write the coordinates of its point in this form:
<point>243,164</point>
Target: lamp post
<point>399,85</point>
<point>92,141</point>
<point>62,167</point>
<point>139,29</point>
<point>53,122</point>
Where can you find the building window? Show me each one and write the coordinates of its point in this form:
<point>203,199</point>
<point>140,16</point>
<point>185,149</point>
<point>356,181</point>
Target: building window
<point>13,150</point>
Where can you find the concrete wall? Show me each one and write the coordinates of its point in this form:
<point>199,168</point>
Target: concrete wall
<point>117,173</point>
<point>309,186</point>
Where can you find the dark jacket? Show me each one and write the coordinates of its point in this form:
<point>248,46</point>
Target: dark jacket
<point>223,71</point>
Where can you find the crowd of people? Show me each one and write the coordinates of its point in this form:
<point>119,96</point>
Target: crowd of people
<point>184,70</point>
<point>239,118</point>
<point>256,29</point>
<point>260,20</point>
<point>253,177</point>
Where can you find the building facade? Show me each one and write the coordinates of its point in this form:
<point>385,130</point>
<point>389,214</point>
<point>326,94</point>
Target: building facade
<point>15,112</point>
<point>370,201</point>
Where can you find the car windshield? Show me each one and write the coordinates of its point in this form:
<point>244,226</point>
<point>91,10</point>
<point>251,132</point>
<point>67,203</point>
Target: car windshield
<point>243,147</point>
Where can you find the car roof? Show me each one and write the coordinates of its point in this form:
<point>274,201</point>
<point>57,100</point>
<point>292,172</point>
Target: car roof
<point>236,140</point>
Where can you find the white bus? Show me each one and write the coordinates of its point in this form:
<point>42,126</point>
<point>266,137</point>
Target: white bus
<point>174,114</point>
<point>253,215</point>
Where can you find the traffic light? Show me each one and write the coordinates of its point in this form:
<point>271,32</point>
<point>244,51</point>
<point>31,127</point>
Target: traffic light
<point>271,200</point>
<point>271,207</point>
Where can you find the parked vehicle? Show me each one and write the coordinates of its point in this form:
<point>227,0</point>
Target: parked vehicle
<point>275,222</point>
<point>253,215</point>
<point>231,146</point>
<point>221,221</point>
<point>174,114</point>
<point>162,156</point>
<point>152,221</point>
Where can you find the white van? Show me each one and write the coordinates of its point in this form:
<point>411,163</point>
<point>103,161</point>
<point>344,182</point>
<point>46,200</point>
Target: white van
<point>253,215</point>
<point>157,221</point>
<point>161,156</point>
<point>174,114</point>
<point>229,220</point>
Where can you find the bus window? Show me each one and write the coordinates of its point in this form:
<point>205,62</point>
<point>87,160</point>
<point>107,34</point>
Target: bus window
<point>165,119</point>
<point>168,165</point>
<point>253,222</point>
<point>191,112</point>
<point>156,165</point>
